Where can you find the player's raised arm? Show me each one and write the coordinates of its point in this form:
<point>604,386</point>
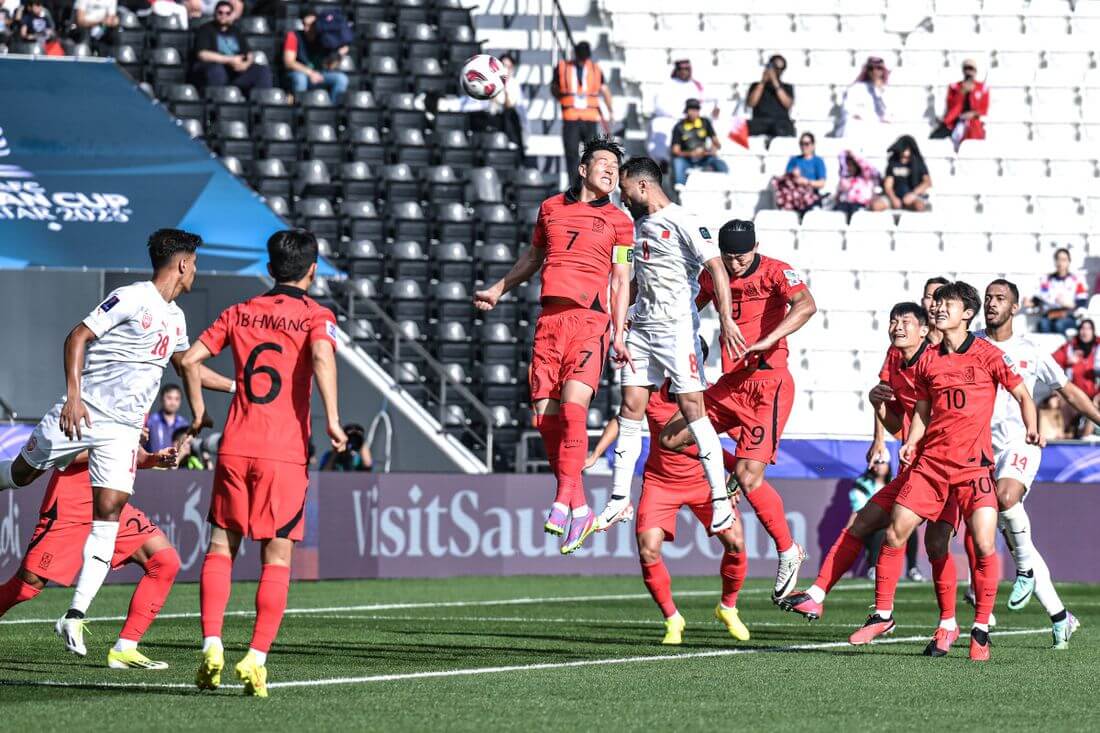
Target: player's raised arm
<point>880,397</point>
<point>324,371</point>
<point>525,267</point>
<point>802,309</point>
<point>733,341</point>
<point>210,379</point>
<point>1029,413</point>
<point>1080,401</point>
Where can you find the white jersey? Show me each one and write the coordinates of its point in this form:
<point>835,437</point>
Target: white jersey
<point>670,247</point>
<point>1038,370</point>
<point>137,332</point>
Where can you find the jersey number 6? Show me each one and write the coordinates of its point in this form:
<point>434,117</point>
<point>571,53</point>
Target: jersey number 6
<point>251,370</point>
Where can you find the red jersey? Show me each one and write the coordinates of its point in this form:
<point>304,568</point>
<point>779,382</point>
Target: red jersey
<point>901,376</point>
<point>579,240</point>
<point>962,387</point>
<point>271,336</point>
<point>759,300</point>
<point>68,496</point>
<point>670,469</point>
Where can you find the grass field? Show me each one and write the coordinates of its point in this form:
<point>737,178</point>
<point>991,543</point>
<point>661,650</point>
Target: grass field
<point>552,653</point>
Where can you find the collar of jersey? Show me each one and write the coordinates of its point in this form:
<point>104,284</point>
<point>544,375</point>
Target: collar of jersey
<point>571,198</point>
<point>290,290</point>
<point>916,356</point>
<point>963,348</point>
<point>752,268</point>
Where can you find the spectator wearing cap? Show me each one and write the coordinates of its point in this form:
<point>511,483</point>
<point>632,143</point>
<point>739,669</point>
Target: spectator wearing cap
<point>309,64</point>
<point>1060,293</point>
<point>96,21</point>
<point>770,100</point>
<point>578,85</point>
<point>694,144</point>
<point>865,108</point>
<point>667,105</point>
<point>967,104</point>
<point>223,56</point>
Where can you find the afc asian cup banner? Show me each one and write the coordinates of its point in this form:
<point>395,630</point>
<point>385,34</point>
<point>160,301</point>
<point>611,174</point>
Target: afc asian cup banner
<point>441,525</point>
<point>90,166</point>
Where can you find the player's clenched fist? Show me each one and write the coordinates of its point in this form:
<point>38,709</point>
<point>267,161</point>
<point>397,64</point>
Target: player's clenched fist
<point>1035,438</point>
<point>486,300</point>
<point>72,413</point>
<point>338,437</point>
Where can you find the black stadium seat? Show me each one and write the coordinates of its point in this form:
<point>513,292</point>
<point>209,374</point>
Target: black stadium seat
<point>317,215</point>
<point>366,146</point>
<point>385,76</point>
<point>454,223</point>
<point>407,145</point>
<point>452,300</point>
<point>399,184</point>
<point>277,141</point>
<point>407,260</point>
<point>358,182</point>
<point>317,108</point>
<point>271,177</point>
<point>406,301</point>
<point>232,137</point>
<point>454,148</point>
<point>442,185</point>
<point>363,257</point>
<point>225,103</point>
<point>361,110</point>
<point>404,111</point>
<point>363,222</point>
<point>271,105</point>
<point>322,144</point>
<point>184,102</point>
<point>452,261</point>
<point>406,220</point>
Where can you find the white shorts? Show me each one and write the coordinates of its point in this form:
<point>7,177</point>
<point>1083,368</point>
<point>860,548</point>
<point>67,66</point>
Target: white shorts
<point>1019,461</point>
<point>112,448</point>
<point>665,352</point>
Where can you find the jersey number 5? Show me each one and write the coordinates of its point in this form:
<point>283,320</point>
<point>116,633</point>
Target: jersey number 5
<point>251,370</point>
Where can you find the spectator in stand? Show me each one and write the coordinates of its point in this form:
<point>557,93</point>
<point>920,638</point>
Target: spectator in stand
<point>856,188</point>
<point>209,6</point>
<point>799,189</point>
<point>770,100</point>
<point>694,144</point>
<point>95,22</point>
<point>869,483</point>
<point>223,56</point>
<point>667,106</point>
<point>578,85</point>
<point>1078,356</point>
<point>309,65</point>
<point>182,9</point>
<point>356,456</point>
<point>163,423</point>
<point>1060,294</point>
<point>865,107</point>
<point>967,103</point>
<point>35,25</point>
<point>906,181</point>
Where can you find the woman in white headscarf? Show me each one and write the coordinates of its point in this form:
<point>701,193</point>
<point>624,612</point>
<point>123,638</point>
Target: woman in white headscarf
<point>865,107</point>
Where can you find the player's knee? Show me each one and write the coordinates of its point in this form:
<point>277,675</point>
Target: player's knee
<point>731,541</point>
<point>31,579</point>
<point>1007,498</point>
<point>671,440</point>
<point>164,565</point>
<point>896,536</point>
<point>23,473</point>
<point>748,476</point>
<point>865,524</point>
<point>649,553</point>
<point>985,546</point>
<point>937,544</point>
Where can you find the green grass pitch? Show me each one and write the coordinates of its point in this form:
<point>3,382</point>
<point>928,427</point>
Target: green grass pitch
<point>428,655</point>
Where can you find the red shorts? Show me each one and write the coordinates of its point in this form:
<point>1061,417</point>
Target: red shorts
<point>56,550</point>
<point>943,494</point>
<point>570,343</point>
<point>259,498</point>
<point>753,406</point>
<point>661,502</point>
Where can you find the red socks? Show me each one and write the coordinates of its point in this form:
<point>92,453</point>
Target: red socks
<point>842,555</point>
<point>549,427</point>
<point>945,579</point>
<point>768,505</point>
<point>985,587</point>
<point>659,583</point>
<point>214,587</point>
<point>971,554</point>
<point>14,592</point>
<point>891,563</point>
<point>150,594</point>
<point>573,452</point>
<point>734,567</point>
<point>270,605</point>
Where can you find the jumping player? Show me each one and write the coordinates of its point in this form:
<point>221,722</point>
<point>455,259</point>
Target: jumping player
<point>54,554</point>
<point>754,396</point>
<point>670,481</point>
<point>114,361</point>
<point>580,241</point>
<point>280,341</point>
<point>1017,461</point>
<point>671,246</point>
<point>949,449</point>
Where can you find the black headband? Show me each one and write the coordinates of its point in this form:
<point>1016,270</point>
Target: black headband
<point>736,242</point>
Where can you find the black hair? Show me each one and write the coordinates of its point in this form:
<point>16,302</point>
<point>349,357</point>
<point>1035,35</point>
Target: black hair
<point>164,244</point>
<point>908,308</point>
<point>306,11</point>
<point>1011,288</point>
<point>961,291</point>
<point>903,142</point>
<point>780,57</point>
<point>511,56</point>
<point>290,252</point>
<point>602,142</point>
<point>170,388</point>
<point>583,51</point>
<point>221,3</point>
<point>739,225</point>
<point>935,281</point>
<point>1060,250</point>
<point>641,167</point>
<point>809,135</point>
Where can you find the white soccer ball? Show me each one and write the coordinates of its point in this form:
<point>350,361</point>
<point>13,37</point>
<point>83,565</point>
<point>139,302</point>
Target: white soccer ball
<point>483,76</point>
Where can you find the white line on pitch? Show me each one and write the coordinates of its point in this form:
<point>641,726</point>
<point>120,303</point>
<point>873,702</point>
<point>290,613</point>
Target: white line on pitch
<point>473,671</point>
<point>440,604</point>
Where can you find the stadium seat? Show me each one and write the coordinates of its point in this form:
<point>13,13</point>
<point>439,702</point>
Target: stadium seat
<point>429,77</point>
<point>317,215</point>
<point>366,146</point>
<point>321,143</point>
<point>363,257</point>
<point>452,261</point>
<point>277,141</point>
<point>385,76</point>
<point>271,105</point>
<point>399,184</point>
<point>165,67</point>
<point>363,222</point>
<point>454,223</point>
<point>454,345</point>
<point>312,178</point>
<point>184,102</point>
<point>451,300</point>
<point>442,185</point>
<point>317,108</point>
<point>225,104</point>
<point>406,220</point>
<point>454,149</point>
<point>407,145</point>
<point>497,151</point>
<point>271,177</point>
<point>233,138</point>
<point>408,261</point>
<point>407,301</point>
<point>358,181</point>
<point>496,223</point>
<point>495,260</point>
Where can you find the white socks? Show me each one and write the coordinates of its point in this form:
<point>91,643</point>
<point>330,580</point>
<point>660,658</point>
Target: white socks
<point>124,645</point>
<point>99,548</point>
<point>884,614</point>
<point>5,476</point>
<point>261,657</point>
<point>710,453</point>
<point>981,627</point>
<point>1044,586</point>
<point>627,449</point>
<point>789,553</point>
<point>817,594</point>
<point>949,623</point>
<point>211,641</point>
<point>1017,525</point>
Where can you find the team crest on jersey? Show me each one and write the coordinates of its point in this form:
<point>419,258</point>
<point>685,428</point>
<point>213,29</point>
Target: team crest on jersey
<point>597,225</point>
<point>751,291</point>
<point>330,329</point>
<point>146,319</point>
<point>666,234</point>
<point>968,375</point>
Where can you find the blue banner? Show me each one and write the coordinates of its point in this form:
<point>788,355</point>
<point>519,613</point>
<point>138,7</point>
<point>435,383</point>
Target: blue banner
<point>90,166</point>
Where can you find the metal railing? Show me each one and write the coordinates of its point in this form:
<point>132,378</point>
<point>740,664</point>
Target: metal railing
<point>450,391</point>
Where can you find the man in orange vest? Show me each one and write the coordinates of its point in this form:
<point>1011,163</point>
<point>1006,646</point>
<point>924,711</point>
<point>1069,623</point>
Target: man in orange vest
<point>578,86</point>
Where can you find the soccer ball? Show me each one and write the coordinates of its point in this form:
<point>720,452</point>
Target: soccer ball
<point>483,76</point>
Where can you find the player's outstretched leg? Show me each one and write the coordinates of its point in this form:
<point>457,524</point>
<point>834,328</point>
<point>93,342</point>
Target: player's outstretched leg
<point>549,427</point>
<point>842,555</point>
<point>768,506</point>
<point>659,583</point>
<point>888,570</point>
<point>628,448</point>
<point>574,449</point>
<point>161,564</point>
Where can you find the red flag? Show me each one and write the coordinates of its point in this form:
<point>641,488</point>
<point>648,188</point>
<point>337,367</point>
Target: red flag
<point>739,132</point>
